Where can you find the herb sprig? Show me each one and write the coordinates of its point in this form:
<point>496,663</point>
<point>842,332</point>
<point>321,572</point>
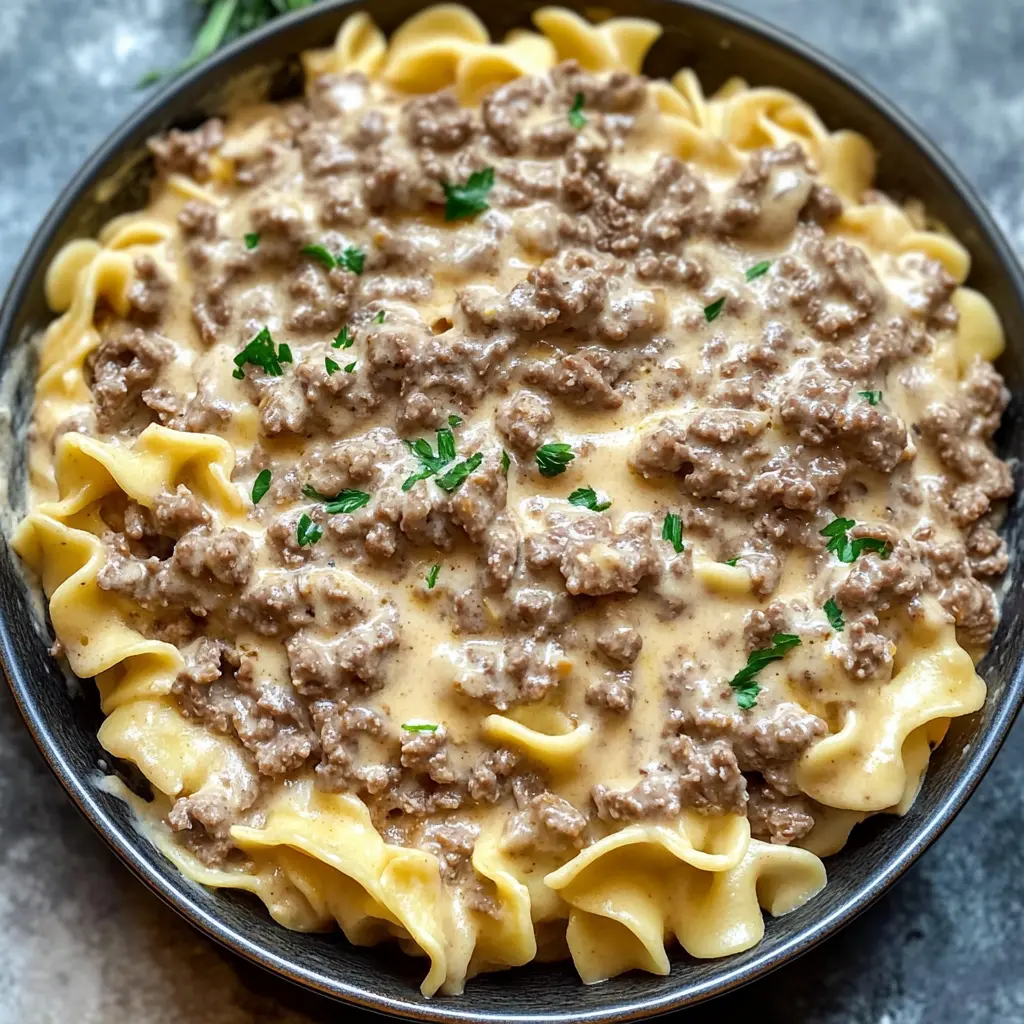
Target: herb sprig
<point>261,351</point>
<point>431,577</point>
<point>462,201</point>
<point>576,117</point>
<point>553,458</point>
<point>260,485</point>
<point>347,500</point>
<point>226,20</point>
<point>586,497</point>
<point>350,258</point>
<point>420,726</point>
<point>672,531</point>
<point>834,615</point>
<point>743,682</point>
<point>871,397</point>
<point>307,533</point>
<point>847,549</point>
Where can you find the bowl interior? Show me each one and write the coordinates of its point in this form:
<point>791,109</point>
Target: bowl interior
<point>64,718</point>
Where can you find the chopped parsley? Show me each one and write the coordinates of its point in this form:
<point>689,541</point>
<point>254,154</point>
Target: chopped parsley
<point>711,311</point>
<point>732,561</point>
<point>343,339</point>
<point>506,461</point>
<point>758,269</point>
<point>421,726</point>
<point>260,351</point>
<point>576,118</point>
<point>308,533</point>
<point>320,254</point>
<point>349,367</point>
<point>352,259</point>
<point>454,421</point>
<point>260,485</point>
<point>461,201</point>
<point>458,473</point>
<point>743,682</point>
<point>834,615</point>
<point>252,239</point>
<point>553,458</point>
<point>330,366</point>
<point>586,497</point>
<point>348,500</point>
<point>432,576</point>
<point>672,531</point>
<point>847,550</point>
<point>379,318</point>
<point>429,462</point>
<point>871,397</point>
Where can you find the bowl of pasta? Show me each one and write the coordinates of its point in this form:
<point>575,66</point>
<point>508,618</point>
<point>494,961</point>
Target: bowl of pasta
<point>527,496</point>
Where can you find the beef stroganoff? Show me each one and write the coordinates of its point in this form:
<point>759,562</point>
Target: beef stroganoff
<point>515,507</point>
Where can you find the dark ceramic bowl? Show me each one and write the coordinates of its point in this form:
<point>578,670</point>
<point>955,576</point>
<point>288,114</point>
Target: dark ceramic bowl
<point>717,44</point>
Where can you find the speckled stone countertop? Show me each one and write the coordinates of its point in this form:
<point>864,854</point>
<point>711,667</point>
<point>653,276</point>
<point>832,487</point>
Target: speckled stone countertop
<point>81,941</point>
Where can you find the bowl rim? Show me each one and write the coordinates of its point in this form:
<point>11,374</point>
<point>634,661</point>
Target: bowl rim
<point>84,794</point>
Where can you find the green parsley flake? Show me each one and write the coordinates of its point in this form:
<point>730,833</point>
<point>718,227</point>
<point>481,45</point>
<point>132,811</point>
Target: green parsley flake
<point>432,576</point>
<point>252,239</point>
<point>330,366</point>
<point>576,118</point>
<point>458,473</point>
<point>454,421</point>
<point>379,318</point>
<point>260,485</point>
<point>758,269</point>
<point>586,497</point>
<point>343,339</point>
<point>308,533</point>
<point>743,682</point>
<point>834,615</point>
<point>348,500</point>
<point>672,531</point>
<point>553,458</point>
<point>506,461</point>
<point>871,397</point>
<point>429,462</point>
<point>421,726</point>
<point>349,367</point>
<point>711,312</point>
<point>260,351</point>
<point>352,259</point>
<point>320,254</point>
<point>461,201</point>
<point>732,561</point>
<point>847,550</point>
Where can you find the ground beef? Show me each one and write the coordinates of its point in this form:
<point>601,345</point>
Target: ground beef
<point>620,644</point>
<point>613,691</point>
<point>121,369</point>
<point>188,153</point>
<point>822,409</point>
<point>149,291</point>
<point>543,823</point>
<point>357,658</point>
<point>523,420</point>
<point>427,752</point>
<point>775,818</point>
<point>517,671</point>
<point>594,558</point>
<point>865,652</point>
<point>961,431</point>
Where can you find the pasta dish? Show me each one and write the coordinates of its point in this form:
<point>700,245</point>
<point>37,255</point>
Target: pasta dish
<point>515,507</point>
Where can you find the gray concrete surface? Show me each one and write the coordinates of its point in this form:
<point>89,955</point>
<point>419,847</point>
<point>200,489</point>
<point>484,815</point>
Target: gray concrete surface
<point>81,941</point>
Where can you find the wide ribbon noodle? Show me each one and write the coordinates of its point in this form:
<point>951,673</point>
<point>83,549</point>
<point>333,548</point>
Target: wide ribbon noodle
<point>315,859</point>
